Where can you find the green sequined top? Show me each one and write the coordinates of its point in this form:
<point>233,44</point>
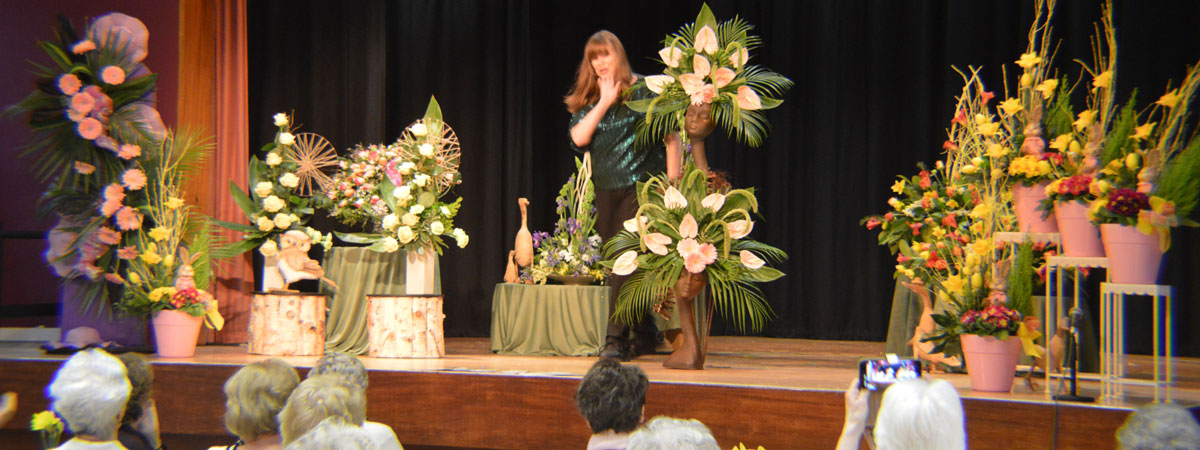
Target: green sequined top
<point>616,162</point>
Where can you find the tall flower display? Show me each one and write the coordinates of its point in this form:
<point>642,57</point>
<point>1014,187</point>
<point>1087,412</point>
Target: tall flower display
<point>94,125</point>
<point>399,188</point>
<point>574,248</point>
<point>709,63</point>
<point>272,204</point>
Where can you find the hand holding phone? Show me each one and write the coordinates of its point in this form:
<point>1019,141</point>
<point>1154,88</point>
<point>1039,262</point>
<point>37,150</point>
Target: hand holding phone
<point>877,374</point>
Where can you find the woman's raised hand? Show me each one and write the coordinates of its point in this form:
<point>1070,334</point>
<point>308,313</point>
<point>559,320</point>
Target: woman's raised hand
<point>609,91</point>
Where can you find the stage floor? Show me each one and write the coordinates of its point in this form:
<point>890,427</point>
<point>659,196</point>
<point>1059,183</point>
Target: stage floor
<point>754,390</point>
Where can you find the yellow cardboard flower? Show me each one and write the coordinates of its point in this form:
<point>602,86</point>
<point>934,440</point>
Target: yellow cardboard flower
<point>1047,88</point>
<point>1011,106</point>
<point>1085,119</point>
<point>159,233</point>
<point>1169,99</point>
<point>1104,80</point>
<point>1028,335</point>
<point>976,281</point>
<point>213,316</point>
<point>1061,142</point>
<point>1143,131</point>
<point>898,186</point>
<point>151,257</point>
<point>1160,218</point>
<point>953,284</point>
<point>174,203</point>
<point>1029,60</point>
<point>46,421</point>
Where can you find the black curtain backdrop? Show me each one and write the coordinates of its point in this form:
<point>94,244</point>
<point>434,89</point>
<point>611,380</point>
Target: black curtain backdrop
<point>873,96</point>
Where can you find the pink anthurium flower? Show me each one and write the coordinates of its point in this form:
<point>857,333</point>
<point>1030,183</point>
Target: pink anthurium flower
<point>722,77</point>
<point>706,40</point>
<point>740,228</point>
<point>750,260</point>
<point>688,227</point>
<point>713,201</point>
<point>657,243</point>
<point>747,99</point>
<point>626,263</point>
<point>657,83</point>
<point>670,56</point>
<point>700,66</point>
<point>673,199</point>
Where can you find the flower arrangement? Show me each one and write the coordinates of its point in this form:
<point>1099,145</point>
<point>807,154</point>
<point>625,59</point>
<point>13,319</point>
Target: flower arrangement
<point>272,205</point>
<point>574,248</point>
<point>1151,175</point>
<point>707,62</point>
<point>92,115</point>
<point>1073,188</point>
<point>399,187</point>
<point>48,426</point>
<point>685,225</point>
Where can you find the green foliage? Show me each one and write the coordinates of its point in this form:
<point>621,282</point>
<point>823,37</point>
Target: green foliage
<point>1020,280</point>
<point>1118,144</point>
<point>1059,116</point>
<point>1180,180</point>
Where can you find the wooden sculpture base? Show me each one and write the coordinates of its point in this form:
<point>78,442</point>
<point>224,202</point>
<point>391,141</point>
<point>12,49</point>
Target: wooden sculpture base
<point>405,326</point>
<point>287,324</point>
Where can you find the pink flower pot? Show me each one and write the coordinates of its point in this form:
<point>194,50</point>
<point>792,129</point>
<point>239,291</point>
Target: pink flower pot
<point>1079,236</point>
<point>1133,257</point>
<point>991,363</point>
<point>175,333</point>
<point>1026,201</point>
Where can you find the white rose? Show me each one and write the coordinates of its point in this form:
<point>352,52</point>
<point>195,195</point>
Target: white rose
<point>416,209</point>
<point>281,120</point>
<point>405,234</point>
<point>273,159</point>
<point>626,263</point>
<point>390,222</point>
<point>437,228</point>
<point>461,237</point>
<point>425,150</point>
<point>289,180</point>
<point>418,129</point>
<point>410,219</point>
<point>273,203</point>
<point>402,191</point>
<point>263,188</point>
<point>420,180</point>
<point>407,167</point>
<point>390,245</point>
<point>269,249</point>
<point>286,138</point>
<point>283,221</point>
<point>265,224</point>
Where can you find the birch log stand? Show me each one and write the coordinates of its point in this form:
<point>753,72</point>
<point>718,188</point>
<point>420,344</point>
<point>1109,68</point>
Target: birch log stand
<point>287,324</point>
<point>405,326</point>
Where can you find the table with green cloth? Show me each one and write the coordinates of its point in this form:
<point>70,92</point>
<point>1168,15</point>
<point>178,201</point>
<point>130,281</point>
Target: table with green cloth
<point>558,320</point>
<point>358,273</point>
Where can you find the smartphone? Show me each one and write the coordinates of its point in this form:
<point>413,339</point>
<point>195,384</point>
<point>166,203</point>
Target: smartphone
<point>877,374</point>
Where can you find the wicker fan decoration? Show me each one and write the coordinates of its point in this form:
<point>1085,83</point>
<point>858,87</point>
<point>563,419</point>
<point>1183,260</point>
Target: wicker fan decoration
<point>313,155</point>
<point>447,152</point>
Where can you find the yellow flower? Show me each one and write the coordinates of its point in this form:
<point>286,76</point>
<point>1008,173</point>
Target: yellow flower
<point>1085,119</point>
<point>995,150</point>
<point>981,210</point>
<point>159,233</point>
<point>976,281</point>
<point>1143,131</point>
<point>977,228</point>
<point>1047,88</point>
<point>1043,168</point>
<point>1011,106</point>
<point>1099,188</point>
<point>1169,99</point>
<point>1095,207</point>
<point>1104,80</point>
<point>938,232</point>
<point>1026,79</point>
<point>134,278</point>
<point>951,203</point>
<point>896,203</point>
<point>45,421</point>
<point>989,129</point>
<point>1029,60</point>
<point>1160,218</point>
<point>1052,188</point>
<point>898,186</point>
<point>162,293</point>
<point>1061,142</point>
<point>953,284</point>
<point>1073,148</point>
<point>151,257</point>
<point>1133,161</point>
<point>982,246</point>
<point>174,203</point>
<point>169,260</point>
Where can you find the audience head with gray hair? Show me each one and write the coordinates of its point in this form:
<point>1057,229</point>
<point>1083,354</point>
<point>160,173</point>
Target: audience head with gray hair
<point>611,396</point>
<point>89,393</point>
<point>255,395</point>
<point>1160,426</point>
<point>316,399</point>
<point>333,434</point>
<point>342,365</point>
<point>918,414</point>
<point>669,433</point>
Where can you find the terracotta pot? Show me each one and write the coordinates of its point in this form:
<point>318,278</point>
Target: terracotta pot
<point>689,356</point>
<point>991,363</point>
<point>1079,236</point>
<point>1133,257</point>
<point>175,333</point>
<point>1026,200</point>
<point>418,271</point>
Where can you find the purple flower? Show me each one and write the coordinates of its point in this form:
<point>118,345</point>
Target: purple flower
<point>1127,202</point>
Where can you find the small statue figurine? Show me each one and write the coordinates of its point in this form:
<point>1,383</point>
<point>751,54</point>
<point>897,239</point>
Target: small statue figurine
<point>1034,145</point>
<point>1091,151</point>
<point>1148,176</point>
<point>510,273</point>
<point>524,241</point>
<point>185,278</point>
<point>294,264</point>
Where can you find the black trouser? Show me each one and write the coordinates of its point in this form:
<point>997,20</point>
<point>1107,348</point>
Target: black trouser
<point>613,208</point>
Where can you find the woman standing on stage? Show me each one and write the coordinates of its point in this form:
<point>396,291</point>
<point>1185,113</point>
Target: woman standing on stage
<point>602,125</point>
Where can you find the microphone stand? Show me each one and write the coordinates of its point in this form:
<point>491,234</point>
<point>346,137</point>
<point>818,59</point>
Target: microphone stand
<point>1072,360</point>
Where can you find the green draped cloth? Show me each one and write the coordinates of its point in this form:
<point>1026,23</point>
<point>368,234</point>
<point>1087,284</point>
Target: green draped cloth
<point>559,320</point>
<point>358,273</point>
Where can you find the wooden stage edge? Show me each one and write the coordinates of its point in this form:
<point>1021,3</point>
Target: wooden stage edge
<point>778,393</point>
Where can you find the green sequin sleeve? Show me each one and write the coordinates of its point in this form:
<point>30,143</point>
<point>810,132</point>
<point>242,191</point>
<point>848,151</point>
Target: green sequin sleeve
<point>617,163</point>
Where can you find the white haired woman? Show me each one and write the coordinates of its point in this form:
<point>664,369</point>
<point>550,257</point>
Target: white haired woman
<point>334,434</point>
<point>89,393</point>
<point>319,398</point>
<point>351,370</point>
<point>669,433</point>
<point>254,396</point>
<point>914,414</point>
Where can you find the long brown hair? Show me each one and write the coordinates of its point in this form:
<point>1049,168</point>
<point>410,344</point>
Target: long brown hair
<point>586,90</point>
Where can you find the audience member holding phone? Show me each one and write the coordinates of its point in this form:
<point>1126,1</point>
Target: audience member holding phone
<point>915,413</point>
